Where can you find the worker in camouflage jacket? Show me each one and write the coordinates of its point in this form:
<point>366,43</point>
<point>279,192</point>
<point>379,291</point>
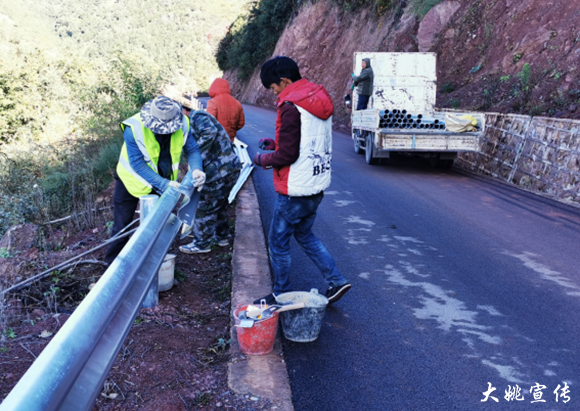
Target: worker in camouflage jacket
<point>222,169</point>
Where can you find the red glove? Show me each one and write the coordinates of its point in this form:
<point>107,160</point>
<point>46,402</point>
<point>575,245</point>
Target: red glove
<point>267,144</point>
<point>257,159</point>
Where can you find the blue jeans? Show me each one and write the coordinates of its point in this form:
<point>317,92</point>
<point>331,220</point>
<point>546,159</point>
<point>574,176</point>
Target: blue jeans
<point>295,216</point>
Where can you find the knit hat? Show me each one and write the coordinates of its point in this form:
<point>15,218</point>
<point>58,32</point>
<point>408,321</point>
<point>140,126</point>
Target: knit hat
<point>162,115</point>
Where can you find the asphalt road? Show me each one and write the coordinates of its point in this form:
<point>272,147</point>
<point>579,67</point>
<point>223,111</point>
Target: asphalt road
<point>458,281</point>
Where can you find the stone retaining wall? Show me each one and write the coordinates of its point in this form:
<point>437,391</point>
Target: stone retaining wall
<point>541,154</point>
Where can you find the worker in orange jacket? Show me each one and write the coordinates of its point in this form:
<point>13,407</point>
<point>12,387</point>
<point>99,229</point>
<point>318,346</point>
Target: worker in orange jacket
<point>227,110</point>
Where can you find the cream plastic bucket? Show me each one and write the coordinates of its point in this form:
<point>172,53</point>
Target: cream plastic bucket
<point>303,325</point>
<point>167,273</point>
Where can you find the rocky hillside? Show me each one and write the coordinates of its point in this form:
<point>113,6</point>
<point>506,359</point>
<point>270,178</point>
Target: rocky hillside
<point>501,55</point>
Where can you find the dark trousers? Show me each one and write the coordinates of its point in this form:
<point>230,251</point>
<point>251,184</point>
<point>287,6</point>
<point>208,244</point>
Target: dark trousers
<point>125,205</point>
<point>363,101</point>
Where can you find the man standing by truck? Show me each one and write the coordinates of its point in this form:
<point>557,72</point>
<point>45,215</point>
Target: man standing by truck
<point>364,84</point>
<point>301,161</point>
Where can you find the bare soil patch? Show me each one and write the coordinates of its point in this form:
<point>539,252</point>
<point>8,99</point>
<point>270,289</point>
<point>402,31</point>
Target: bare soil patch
<point>176,354</point>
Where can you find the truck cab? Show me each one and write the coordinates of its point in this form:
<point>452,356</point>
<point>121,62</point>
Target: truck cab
<point>401,116</point>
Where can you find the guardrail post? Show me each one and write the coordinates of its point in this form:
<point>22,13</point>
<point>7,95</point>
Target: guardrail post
<point>146,204</point>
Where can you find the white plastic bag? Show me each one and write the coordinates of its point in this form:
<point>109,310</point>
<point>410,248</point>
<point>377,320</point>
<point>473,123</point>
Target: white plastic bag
<point>460,123</point>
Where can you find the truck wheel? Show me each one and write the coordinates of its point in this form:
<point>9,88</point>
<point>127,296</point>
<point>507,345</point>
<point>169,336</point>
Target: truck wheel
<point>446,163</point>
<point>369,151</point>
<point>357,147</point>
<point>439,163</point>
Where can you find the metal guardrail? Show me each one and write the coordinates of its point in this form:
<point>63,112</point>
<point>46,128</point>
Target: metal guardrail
<point>241,149</point>
<point>197,104</point>
<point>71,370</point>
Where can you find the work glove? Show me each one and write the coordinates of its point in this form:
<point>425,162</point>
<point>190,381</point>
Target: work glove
<point>174,184</point>
<point>258,160</point>
<point>267,144</point>
<point>199,178</point>
<point>352,86</point>
<point>352,75</point>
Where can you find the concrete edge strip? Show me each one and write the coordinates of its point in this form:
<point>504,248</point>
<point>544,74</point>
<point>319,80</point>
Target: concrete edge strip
<point>263,376</point>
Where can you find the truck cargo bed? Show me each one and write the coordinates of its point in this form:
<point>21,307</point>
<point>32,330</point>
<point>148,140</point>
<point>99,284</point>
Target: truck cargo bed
<point>398,140</point>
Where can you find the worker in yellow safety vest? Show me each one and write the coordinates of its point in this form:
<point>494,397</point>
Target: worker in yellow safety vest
<point>149,160</point>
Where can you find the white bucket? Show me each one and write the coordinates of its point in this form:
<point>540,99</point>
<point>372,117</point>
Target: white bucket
<point>167,273</point>
<point>303,325</point>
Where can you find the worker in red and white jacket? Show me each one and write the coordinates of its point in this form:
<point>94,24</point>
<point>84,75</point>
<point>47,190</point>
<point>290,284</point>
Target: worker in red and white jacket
<point>302,164</point>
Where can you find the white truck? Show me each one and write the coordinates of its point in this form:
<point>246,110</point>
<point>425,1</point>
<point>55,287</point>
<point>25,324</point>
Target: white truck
<point>401,115</point>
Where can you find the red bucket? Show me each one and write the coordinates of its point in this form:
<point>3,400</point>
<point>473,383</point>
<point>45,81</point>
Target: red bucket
<point>259,339</point>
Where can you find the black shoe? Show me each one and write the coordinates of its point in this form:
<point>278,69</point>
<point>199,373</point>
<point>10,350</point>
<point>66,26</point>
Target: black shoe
<point>335,293</point>
<point>270,299</point>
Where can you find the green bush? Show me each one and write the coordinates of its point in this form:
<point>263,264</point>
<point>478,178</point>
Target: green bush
<point>253,38</point>
<point>17,189</point>
<point>118,94</point>
<point>14,114</point>
<point>525,77</point>
<point>379,6</point>
<point>107,158</point>
<point>455,103</point>
<point>447,87</point>
<point>53,200</point>
<point>422,7</point>
<point>35,97</point>
<point>67,176</point>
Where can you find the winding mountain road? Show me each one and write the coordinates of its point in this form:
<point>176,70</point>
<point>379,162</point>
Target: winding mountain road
<point>458,281</point>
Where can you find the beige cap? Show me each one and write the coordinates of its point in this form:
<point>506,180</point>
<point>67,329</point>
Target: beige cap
<point>183,98</point>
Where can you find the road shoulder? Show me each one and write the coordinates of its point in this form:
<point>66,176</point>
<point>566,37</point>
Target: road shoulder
<point>260,375</point>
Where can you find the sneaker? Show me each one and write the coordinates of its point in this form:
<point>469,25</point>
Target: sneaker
<point>223,243</point>
<point>270,299</point>
<point>335,293</point>
<point>191,248</point>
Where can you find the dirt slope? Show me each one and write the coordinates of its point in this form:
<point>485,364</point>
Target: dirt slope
<point>482,48</point>
<point>175,355</point>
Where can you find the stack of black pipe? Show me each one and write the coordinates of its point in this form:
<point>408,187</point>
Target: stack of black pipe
<point>401,119</point>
